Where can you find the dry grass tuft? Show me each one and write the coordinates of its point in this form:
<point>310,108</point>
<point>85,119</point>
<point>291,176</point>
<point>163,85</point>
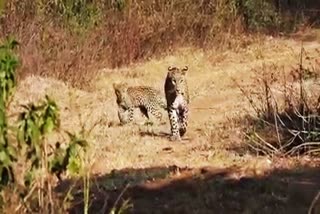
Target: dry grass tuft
<point>286,105</point>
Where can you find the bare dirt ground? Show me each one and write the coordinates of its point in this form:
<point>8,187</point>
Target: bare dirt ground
<point>204,173</point>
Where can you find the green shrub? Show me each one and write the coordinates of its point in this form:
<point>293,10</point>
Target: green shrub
<point>259,15</point>
<point>2,5</point>
<point>35,123</point>
<point>8,65</point>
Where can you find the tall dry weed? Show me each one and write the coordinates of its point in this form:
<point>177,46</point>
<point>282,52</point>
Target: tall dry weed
<point>70,40</point>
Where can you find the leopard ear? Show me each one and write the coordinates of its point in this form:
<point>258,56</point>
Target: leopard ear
<point>184,70</point>
<point>125,85</point>
<point>170,68</point>
<point>120,85</point>
<point>169,73</point>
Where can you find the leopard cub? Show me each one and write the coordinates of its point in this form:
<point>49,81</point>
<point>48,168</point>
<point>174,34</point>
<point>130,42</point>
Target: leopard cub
<point>148,99</point>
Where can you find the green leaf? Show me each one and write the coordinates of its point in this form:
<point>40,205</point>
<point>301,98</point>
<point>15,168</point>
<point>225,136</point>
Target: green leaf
<point>11,151</point>
<point>74,166</point>
<point>5,159</point>
<point>2,74</point>
<point>48,126</point>
<point>35,133</point>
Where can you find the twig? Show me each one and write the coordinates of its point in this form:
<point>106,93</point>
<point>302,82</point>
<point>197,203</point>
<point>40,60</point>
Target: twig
<point>294,149</point>
<point>258,149</point>
<point>275,115</point>
<point>265,142</point>
<point>265,145</point>
<point>121,194</point>
<point>255,108</point>
<point>26,198</point>
<point>313,204</point>
<point>105,204</point>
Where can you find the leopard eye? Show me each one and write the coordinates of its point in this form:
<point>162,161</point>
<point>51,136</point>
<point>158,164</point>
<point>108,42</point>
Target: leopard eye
<point>174,82</point>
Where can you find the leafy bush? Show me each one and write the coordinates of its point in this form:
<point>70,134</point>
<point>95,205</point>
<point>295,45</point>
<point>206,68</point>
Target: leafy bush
<point>2,5</point>
<point>35,123</point>
<point>76,13</point>
<point>8,65</point>
<point>68,159</point>
<point>260,15</point>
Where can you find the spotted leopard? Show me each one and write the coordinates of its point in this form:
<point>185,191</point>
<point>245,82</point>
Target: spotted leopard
<point>148,99</point>
<point>177,96</point>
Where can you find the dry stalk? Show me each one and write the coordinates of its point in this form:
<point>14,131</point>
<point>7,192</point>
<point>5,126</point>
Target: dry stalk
<point>313,204</point>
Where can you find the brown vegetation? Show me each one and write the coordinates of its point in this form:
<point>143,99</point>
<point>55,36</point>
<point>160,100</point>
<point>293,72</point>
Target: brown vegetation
<point>71,40</point>
<point>246,69</point>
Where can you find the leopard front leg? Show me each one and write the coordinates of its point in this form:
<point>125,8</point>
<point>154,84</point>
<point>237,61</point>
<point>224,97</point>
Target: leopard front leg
<point>131,112</point>
<point>183,120</point>
<point>122,115</point>
<point>125,115</point>
<point>174,123</point>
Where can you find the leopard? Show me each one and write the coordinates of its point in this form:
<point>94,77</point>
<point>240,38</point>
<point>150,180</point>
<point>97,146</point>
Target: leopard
<point>178,99</point>
<point>146,98</point>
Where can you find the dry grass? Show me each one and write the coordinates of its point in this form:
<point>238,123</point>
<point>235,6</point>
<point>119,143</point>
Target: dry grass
<point>286,107</point>
<point>216,104</point>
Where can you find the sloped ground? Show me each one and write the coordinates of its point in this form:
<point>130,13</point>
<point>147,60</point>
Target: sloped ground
<point>202,173</point>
